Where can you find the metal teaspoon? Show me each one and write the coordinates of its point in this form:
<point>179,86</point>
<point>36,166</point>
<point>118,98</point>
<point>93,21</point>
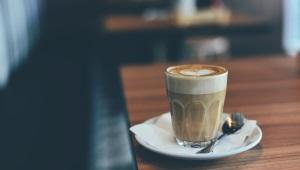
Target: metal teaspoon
<point>230,126</point>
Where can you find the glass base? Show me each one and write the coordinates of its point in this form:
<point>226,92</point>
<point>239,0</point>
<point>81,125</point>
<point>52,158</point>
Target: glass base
<point>193,144</point>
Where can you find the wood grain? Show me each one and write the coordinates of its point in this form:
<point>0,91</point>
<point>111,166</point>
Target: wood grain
<point>265,89</point>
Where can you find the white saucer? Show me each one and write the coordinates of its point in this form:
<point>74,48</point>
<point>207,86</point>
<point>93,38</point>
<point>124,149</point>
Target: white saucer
<point>252,142</point>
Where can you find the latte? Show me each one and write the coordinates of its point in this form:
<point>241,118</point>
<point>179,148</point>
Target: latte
<point>196,96</point>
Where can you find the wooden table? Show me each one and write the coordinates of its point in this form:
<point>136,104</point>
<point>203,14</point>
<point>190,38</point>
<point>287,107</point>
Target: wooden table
<point>115,24</point>
<point>265,89</point>
<point>137,33</point>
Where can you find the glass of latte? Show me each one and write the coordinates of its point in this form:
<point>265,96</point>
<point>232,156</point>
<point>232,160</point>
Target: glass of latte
<point>196,95</point>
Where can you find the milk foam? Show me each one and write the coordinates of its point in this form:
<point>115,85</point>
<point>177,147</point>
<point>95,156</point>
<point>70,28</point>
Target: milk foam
<point>196,81</point>
<point>201,72</point>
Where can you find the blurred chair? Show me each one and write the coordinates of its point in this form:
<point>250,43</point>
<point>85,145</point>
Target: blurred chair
<point>209,48</point>
<point>269,11</point>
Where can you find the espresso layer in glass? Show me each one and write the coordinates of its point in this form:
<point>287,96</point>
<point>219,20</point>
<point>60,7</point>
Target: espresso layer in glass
<point>196,118</point>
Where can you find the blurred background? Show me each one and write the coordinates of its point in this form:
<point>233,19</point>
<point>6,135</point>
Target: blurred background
<point>50,49</point>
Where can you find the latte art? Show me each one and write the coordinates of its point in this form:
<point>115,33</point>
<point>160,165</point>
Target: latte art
<point>189,72</point>
<point>196,70</point>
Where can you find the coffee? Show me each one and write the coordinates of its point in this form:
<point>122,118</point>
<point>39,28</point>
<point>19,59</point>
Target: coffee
<point>196,95</point>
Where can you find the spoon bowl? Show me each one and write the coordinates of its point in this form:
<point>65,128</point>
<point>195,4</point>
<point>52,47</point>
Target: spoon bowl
<point>233,123</point>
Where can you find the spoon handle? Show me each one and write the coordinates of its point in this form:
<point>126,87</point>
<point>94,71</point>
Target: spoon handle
<point>210,147</point>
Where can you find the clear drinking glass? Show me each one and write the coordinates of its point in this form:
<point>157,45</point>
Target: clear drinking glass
<point>196,102</point>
